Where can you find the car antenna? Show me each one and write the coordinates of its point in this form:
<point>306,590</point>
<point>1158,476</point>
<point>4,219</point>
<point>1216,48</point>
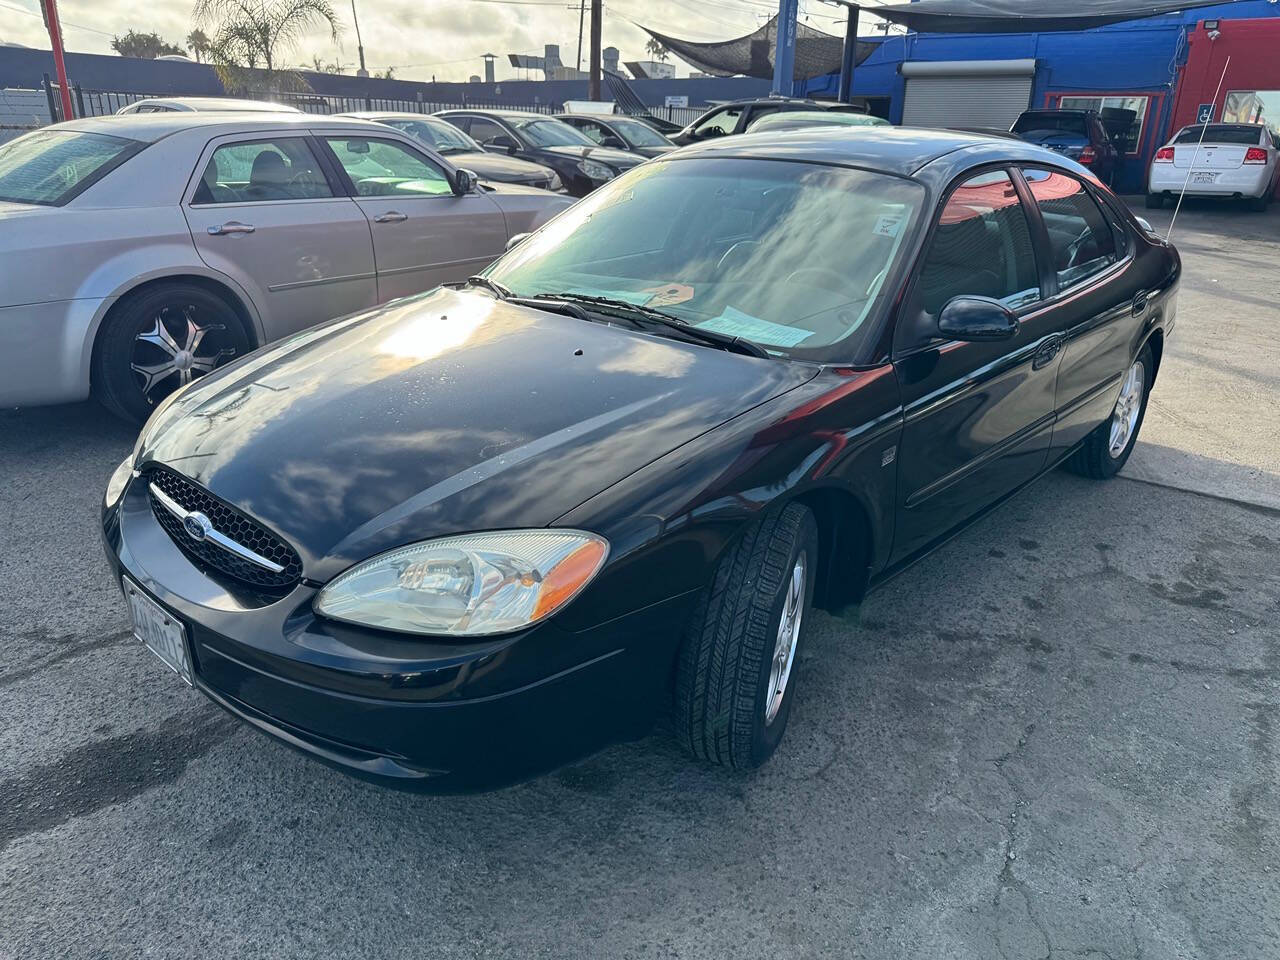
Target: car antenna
<point>1196,153</point>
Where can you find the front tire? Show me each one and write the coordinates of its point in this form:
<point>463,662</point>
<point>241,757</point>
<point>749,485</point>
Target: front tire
<point>159,339</point>
<point>1107,448</point>
<point>736,675</point>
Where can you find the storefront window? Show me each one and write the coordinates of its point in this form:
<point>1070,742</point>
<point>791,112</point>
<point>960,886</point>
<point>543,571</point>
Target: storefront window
<point>1253,106</point>
<point>1130,137</point>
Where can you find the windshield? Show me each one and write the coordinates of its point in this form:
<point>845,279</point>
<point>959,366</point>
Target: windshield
<point>52,166</point>
<point>640,134</point>
<point>440,136</point>
<point>1050,123</point>
<point>791,256</point>
<point>1241,133</point>
<point>552,133</point>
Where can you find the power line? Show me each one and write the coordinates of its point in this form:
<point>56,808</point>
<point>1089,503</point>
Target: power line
<point>65,22</point>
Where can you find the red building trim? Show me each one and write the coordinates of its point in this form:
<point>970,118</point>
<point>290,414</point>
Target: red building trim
<point>1252,46</point>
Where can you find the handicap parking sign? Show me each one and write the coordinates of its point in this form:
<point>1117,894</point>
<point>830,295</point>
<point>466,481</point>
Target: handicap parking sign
<point>1204,114</point>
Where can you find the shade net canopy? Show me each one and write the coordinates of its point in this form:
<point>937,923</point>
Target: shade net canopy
<point>817,53</point>
<point>1025,16</point>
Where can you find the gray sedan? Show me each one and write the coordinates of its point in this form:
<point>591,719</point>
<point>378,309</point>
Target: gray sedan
<point>139,252</point>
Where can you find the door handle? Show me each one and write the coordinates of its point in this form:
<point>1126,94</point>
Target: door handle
<point>231,226</point>
<point>1140,302</point>
<point>1047,351</point>
<point>391,216</point>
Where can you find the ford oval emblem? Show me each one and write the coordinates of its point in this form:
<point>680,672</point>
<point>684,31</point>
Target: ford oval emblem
<point>197,526</point>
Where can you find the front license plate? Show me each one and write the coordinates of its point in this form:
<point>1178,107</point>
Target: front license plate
<point>1202,177</point>
<point>159,630</point>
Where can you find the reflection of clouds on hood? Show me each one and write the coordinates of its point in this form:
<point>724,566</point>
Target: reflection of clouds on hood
<point>651,359</point>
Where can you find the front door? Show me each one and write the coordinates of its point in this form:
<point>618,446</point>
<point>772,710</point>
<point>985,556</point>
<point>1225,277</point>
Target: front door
<point>978,416</point>
<point>264,213</point>
<point>423,233</point>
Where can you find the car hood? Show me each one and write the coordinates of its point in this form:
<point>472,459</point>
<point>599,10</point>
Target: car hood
<point>494,166</point>
<point>444,413</point>
<point>617,158</point>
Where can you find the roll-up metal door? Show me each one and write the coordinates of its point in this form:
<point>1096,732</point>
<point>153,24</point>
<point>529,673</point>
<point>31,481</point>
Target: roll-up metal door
<point>966,93</point>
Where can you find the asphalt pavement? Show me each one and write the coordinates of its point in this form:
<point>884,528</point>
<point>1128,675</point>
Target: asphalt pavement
<point>1056,737</point>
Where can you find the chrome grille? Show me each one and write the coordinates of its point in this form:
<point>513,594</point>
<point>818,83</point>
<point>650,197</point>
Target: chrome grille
<point>228,521</point>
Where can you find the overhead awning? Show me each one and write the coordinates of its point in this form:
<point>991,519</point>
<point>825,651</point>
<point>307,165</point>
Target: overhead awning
<point>817,53</point>
<point>1026,16</point>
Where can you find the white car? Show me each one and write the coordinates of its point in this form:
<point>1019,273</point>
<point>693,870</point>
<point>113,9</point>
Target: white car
<point>202,104</point>
<point>1239,160</point>
<point>137,253</point>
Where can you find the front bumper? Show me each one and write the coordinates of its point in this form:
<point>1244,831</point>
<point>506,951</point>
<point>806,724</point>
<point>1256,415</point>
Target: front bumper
<point>419,714</point>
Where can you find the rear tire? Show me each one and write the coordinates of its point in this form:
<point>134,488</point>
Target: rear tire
<point>179,327</point>
<point>1155,201</point>
<point>1107,448</point>
<point>735,678</point>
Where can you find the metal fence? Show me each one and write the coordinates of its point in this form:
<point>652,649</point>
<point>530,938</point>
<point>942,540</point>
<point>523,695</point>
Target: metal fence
<point>97,103</point>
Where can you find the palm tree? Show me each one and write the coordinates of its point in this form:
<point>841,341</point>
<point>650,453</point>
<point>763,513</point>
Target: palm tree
<point>249,32</point>
<point>655,49</point>
<point>198,44</point>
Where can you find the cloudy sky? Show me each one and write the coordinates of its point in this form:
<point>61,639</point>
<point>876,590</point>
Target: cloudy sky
<point>425,38</point>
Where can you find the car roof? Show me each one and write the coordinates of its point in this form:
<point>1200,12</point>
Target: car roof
<point>896,150</point>
<point>483,112</point>
<point>150,127</point>
<point>218,103</point>
<point>387,115</point>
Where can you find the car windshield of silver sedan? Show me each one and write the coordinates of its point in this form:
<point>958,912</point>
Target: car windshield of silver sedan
<point>790,256</point>
<point>49,166</point>
<point>552,133</point>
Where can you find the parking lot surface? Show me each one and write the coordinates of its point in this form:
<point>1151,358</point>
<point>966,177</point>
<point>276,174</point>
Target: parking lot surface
<point>1057,736</point>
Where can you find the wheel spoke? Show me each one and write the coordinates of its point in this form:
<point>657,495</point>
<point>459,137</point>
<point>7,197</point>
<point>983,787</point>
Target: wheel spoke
<point>154,373</point>
<point>206,364</point>
<point>159,336</point>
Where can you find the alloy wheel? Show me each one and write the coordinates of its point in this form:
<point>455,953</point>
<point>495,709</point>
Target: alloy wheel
<point>1125,417</point>
<point>175,350</point>
<point>784,651</point>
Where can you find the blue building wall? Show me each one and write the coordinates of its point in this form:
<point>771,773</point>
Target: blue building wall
<point>1137,57</point>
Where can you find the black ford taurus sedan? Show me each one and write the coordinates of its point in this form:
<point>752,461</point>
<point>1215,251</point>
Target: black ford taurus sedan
<point>477,533</point>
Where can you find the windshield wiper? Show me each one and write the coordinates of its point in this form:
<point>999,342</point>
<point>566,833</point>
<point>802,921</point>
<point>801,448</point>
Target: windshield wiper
<point>493,286</point>
<point>647,316</point>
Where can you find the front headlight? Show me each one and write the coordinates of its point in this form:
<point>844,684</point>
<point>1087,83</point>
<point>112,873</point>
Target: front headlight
<point>596,170</point>
<point>473,585</point>
<point>119,480</point>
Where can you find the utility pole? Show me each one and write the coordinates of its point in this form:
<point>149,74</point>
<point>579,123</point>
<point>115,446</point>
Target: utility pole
<point>362,72</point>
<point>593,84</point>
<point>784,50</point>
<point>50,10</point>
<point>850,54</point>
<point>582,11</point>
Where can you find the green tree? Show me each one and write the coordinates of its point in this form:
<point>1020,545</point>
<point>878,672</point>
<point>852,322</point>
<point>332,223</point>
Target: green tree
<point>145,46</point>
<point>198,44</point>
<point>252,32</point>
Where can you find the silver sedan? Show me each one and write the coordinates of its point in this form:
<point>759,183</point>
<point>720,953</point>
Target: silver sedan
<point>139,252</point>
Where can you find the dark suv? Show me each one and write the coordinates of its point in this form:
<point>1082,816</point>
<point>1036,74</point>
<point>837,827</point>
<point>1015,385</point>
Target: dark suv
<point>735,117</point>
<point>1078,134</point>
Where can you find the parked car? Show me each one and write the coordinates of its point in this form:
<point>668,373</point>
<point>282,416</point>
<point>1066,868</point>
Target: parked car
<point>202,104</point>
<point>1240,160</point>
<point>450,142</point>
<point>581,164</point>
<point>139,252</point>
<point>472,535</point>
<point>619,132</point>
<point>735,117</point>
<point>1078,134</point>
<point>797,119</point>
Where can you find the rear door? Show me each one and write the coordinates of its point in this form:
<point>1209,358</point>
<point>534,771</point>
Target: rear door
<point>1099,299</point>
<point>423,234</point>
<point>978,416</point>
<point>263,211</point>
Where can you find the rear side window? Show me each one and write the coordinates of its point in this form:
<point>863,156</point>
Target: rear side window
<point>1081,241</point>
<point>51,166</point>
<point>259,170</point>
<point>981,248</point>
<point>1245,134</point>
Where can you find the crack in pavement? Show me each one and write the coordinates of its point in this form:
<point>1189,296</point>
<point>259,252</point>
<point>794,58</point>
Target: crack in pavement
<point>67,651</point>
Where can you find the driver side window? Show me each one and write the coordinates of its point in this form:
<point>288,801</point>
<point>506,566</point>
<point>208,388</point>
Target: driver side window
<point>380,168</point>
<point>720,123</point>
<point>981,248</point>
<point>1080,238</point>
<point>485,131</point>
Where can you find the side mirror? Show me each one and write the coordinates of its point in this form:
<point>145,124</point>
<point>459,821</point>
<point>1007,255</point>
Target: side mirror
<point>1145,224</point>
<point>517,239</point>
<point>464,182</point>
<point>501,144</point>
<point>977,318</point>
<point>613,142</point>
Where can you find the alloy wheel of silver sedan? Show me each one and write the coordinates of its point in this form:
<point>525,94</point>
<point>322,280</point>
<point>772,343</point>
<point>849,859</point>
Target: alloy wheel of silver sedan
<point>1125,417</point>
<point>164,361</point>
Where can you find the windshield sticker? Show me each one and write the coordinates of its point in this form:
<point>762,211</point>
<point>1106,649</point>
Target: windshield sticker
<point>669,294</point>
<point>735,323</point>
<point>887,226</point>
